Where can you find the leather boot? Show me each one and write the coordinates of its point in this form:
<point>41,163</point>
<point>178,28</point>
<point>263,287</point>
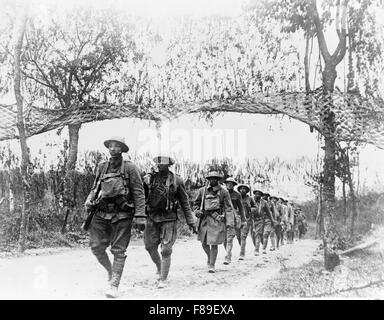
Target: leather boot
<point>117,271</point>
<point>257,245</point>
<point>165,266</point>
<point>229,253</point>
<point>212,259</point>
<point>273,243</point>
<point>242,249</point>
<point>106,263</point>
<point>155,256</point>
<point>207,251</point>
<point>265,243</point>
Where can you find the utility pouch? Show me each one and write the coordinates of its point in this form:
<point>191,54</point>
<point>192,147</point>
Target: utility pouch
<point>212,202</point>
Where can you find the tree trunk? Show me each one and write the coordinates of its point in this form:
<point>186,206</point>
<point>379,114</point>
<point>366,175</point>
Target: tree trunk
<point>319,217</point>
<point>353,200</point>
<point>21,128</point>
<point>73,132</point>
<point>64,226</point>
<point>69,201</point>
<point>329,77</point>
<point>344,202</point>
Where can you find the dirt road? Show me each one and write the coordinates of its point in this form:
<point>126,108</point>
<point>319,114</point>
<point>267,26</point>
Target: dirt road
<point>75,273</point>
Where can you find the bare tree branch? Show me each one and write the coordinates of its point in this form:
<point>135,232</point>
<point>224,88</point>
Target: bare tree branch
<point>342,45</point>
<point>319,31</point>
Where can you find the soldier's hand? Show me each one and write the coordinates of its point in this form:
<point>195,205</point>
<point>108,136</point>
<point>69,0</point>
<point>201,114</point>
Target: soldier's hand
<point>192,227</point>
<point>198,213</point>
<point>88,205</point>
<point>220,218</point>
<point>141,223</point>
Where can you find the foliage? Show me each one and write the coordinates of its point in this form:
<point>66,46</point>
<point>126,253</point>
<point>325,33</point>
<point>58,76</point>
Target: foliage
<point>309,280</point>
<point>72,55</point>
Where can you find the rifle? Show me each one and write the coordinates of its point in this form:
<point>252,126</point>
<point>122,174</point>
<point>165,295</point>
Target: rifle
<point>91,212</point>
<point>87,222</point>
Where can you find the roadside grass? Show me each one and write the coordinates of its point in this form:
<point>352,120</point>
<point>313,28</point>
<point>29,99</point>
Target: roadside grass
<point>361,275</point>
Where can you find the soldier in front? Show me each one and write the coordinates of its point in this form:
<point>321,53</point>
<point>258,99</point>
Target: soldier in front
<point>117,196</point>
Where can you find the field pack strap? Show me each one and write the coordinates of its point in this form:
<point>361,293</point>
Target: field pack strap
<point>221,197</point>
<point>203,199</point>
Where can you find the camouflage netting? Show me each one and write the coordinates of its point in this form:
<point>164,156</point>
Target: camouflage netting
<point>39,120</point>
<point>356,118</point>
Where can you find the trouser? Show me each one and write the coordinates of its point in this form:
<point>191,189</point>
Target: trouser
<point>230,234</point>
<point>163,234</point>
<point>258,231</point>
<point>290,233</point>
<point>117,234</point>
<point>279,235</point>
<point>244,233</point>
<point>211,252</point>
<point>269,231</point>
<point>301,230</point>
<point>238,234</point>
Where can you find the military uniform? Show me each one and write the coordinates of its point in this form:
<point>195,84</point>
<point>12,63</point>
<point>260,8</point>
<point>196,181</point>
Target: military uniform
<point>269,226</point>
<point>262,223</point>
<point>121,197</point>
<point>212,205</point>
<point>279,224</point>
<point>239,212</point>
<point>248,204</point>
<point>233,225</point>
<point>301,224</point>
<point>290,223</point>
<point>217,203</point>
<point>166,192</point>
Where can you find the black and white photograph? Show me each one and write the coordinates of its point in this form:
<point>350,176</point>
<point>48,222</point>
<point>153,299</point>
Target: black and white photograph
<point>191,150</point>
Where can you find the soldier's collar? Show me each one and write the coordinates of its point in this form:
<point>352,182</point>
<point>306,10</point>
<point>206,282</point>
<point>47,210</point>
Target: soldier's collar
<point>215,188</point>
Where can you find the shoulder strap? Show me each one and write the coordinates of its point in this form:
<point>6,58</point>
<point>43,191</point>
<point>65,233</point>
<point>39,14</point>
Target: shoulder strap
<point>105,168</point>
<point>221,196</point>
<point>203,199</point>
<point>124,176</point>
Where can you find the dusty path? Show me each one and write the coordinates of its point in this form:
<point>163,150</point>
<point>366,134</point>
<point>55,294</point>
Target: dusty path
<point>75,274</point>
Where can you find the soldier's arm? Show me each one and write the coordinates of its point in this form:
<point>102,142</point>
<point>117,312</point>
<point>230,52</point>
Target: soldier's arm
<point>241,210</point>
<point>137,189</point>
<point>269,213</point>
<point>184,202</point>
<point>228,207</point>
<point>197,200</point>
<point>274,212</point>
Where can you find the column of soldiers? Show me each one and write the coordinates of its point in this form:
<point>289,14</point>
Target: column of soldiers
<point>121,194</point>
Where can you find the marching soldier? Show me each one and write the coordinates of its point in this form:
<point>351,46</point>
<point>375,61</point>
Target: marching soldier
<point>279,222</point>
<point>211,205</point>
<point>233,226</point>
<point>248,205</point>
<point>290,222</point>
<point>117,196</point>
<point>302,225</point>
<point>264,221</point>
<point>166,191</point>
<point>284,219</point>
<point>271,234</point>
